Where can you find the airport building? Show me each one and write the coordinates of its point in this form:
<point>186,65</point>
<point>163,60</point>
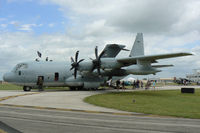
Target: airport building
<point>195,76</point>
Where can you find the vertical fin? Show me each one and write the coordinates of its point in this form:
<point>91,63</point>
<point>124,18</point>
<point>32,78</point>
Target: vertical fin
<point>138,46</point>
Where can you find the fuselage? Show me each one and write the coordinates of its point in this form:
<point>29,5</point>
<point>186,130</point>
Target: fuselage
<point>27,73</point>
<point>58,74</point>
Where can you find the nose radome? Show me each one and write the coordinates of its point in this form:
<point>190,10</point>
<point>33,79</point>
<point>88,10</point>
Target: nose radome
<point>7,77</point>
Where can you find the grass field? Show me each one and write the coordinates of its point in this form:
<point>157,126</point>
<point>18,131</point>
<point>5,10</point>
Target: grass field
<point>166,103</point>
<point>10,87</point>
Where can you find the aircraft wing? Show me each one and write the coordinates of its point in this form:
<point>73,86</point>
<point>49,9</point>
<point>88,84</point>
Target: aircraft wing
<point>150,58</point>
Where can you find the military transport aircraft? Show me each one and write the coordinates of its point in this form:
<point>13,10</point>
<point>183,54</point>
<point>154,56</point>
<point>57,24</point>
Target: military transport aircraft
<point>87,74</point>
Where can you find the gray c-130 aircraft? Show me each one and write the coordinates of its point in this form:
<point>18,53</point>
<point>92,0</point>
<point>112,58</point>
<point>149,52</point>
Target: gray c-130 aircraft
<point>87,74</point>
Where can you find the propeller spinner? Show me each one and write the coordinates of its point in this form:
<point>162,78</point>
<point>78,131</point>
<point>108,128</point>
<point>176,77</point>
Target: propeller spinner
<point>75,64</point>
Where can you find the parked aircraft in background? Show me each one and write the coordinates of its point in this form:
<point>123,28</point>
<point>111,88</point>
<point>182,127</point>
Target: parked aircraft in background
<point>87,74</point>
<point>183,81</point>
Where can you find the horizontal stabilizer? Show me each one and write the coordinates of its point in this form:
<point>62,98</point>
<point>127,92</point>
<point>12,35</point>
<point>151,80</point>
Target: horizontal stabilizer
<point>159,66</point>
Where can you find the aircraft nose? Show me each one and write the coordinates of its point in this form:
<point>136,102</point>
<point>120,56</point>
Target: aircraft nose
<point>7,77</point>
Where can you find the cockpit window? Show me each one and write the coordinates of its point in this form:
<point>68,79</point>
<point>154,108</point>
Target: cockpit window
<point>19,73</point>
<point>20,66</point>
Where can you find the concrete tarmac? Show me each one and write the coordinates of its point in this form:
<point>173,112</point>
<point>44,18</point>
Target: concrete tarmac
<point>32,120</point>
<point>59,99</point>
<point>4,93</point>
<point>29,120</point>
<point>65,99</point>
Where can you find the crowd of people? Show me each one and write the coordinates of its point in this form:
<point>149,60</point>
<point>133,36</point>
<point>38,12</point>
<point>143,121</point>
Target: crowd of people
<point>136,84</point>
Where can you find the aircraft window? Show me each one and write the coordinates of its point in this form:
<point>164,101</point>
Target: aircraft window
<point>20,66</point>
<point>19,72</point>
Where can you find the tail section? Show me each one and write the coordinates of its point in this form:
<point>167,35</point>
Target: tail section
<point>138,47</point>
<point>142,67</point>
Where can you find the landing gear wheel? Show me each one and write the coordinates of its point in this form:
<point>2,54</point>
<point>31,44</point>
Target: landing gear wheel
<point>27,88</point>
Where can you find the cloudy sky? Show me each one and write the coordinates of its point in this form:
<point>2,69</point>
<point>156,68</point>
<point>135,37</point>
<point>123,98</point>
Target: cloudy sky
<point>58,28</point>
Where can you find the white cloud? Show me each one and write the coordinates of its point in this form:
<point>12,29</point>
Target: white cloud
<point>51,25</point>
<point>15,23</point>
<point>98,28</point>
<point>3,25</point>
<point>3,19</point>
<point>28,27</point>
<point>149,16</point>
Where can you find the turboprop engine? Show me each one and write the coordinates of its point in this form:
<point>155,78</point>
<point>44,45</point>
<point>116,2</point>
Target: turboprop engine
<point>141,70</point>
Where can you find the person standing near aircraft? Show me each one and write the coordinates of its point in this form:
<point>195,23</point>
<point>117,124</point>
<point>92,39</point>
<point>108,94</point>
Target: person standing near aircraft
<point>117,84</point>
<point>40,83</point>
<point>141,84</point>
<point>123,85</point>
<point>137,84</point>
<point>154,84</point>
<point>148,84</point>
<point>134,84</point>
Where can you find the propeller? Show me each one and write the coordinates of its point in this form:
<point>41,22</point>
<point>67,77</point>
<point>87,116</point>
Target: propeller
<point>75,64</point>
<point>97,62</point>
<point>39,54</point>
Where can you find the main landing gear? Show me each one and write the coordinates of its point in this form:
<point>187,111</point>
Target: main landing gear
<point>27,88</point>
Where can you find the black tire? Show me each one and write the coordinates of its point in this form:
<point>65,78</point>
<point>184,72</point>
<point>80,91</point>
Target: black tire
<point>27,88</point>
<point>24,88</point>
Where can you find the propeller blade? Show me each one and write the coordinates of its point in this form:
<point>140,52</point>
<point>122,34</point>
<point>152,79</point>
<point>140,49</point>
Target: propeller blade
<point>91,59</point>
<point>75,73</point>
<point>76,56</point>
<point>39,54</point>
<point>93,68</point>
<point>71,68</point>
<point>96,52</point>
<point>97,62</point>
<point>102,53</point>
<point>81,61</point>
<point>75,64</point>
<point>72,60</point>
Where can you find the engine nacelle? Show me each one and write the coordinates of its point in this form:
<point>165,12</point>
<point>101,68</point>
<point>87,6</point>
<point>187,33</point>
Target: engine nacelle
<point>106,63</point>
<point>141,70</point>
